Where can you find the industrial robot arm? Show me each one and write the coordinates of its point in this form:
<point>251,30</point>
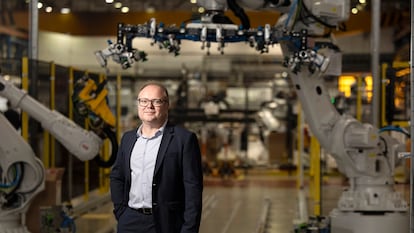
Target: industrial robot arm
<point>214,27</point>
<point>21,177</point>
<point>364,155</point>
<point>82,143</point>
<point>22,174</point>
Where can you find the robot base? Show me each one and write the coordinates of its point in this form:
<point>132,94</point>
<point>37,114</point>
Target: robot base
<point>353,222</point>
<point>12,224</point>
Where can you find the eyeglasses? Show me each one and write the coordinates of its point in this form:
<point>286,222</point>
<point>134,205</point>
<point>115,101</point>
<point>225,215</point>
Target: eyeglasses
<point>155,102</point>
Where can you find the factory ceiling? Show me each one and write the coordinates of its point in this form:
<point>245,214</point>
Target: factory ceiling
<point>96,17</point>
<point>154,5</point>
<point>100,17</point>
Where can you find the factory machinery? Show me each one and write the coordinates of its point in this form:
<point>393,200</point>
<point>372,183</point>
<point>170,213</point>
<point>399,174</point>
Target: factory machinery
<point>22,174</point>
<point>364,155</point>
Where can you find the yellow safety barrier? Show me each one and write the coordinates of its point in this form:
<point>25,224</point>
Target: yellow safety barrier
<point>315,173</point>
<point>25,86</point>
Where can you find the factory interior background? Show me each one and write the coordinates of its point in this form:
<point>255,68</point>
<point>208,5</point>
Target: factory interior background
<point>264,170</point>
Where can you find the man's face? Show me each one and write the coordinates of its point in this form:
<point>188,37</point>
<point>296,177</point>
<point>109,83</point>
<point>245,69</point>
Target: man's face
<point>156,109</point>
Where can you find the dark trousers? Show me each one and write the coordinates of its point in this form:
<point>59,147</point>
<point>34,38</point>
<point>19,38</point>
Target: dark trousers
<point>132,221</point>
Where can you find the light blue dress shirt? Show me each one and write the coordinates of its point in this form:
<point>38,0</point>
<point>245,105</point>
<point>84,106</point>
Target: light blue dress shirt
<point>143,158</point>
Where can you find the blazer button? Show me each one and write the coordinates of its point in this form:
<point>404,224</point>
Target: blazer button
<point>154,204</point>
<point>154,184</point>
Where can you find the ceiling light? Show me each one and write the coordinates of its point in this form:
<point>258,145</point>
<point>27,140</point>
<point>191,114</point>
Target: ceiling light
<point>109,1</point>
<point>117,5</point>
<point>49,9</point>
<point>354,11</point>
<point>201,10</point>
<point>193,1</point>
<point>125,9</point>
<point>150,10</point>
<point>39,5</point>
<point>65,10</point>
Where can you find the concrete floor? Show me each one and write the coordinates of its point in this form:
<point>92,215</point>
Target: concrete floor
<point>237,205</point>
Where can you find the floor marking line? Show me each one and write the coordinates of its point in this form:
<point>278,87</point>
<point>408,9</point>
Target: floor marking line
<point>232,216</point>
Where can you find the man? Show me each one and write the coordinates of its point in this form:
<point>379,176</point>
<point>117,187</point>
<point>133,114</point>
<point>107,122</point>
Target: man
<point>157,181</point>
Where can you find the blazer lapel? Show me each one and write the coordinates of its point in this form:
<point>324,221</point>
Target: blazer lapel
<point>166,139</point>
<point>131,142</point>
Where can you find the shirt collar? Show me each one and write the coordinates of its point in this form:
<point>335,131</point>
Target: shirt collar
<point>159,131</point>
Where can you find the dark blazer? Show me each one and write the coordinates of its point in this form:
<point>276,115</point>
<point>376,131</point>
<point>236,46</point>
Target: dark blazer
<point>177,184</point>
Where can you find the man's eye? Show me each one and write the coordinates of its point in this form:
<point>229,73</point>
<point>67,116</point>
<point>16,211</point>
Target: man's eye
<point>157,101</point>
<point>144,101</point>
